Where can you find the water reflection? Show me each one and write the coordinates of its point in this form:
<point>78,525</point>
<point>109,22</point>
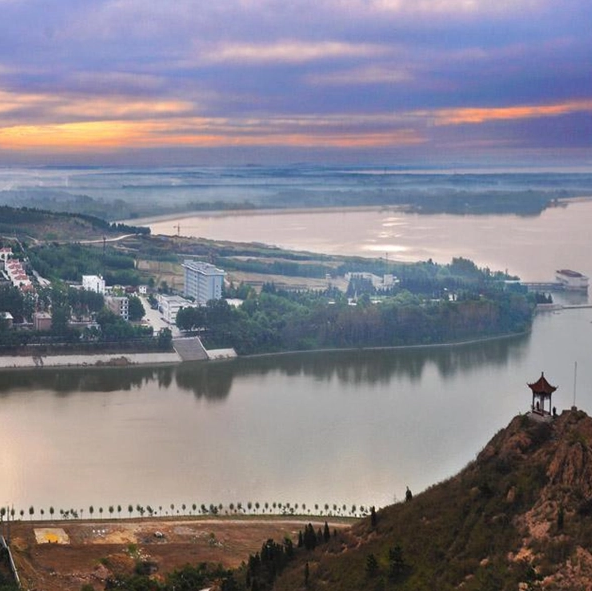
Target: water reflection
<point>213,381</point>
<point>73,380</point>
<point>381,366</point>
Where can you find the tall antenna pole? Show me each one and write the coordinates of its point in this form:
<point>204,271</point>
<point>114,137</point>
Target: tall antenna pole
<point>575,380</point>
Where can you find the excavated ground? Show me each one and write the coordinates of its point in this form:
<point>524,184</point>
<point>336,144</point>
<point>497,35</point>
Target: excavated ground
<point>64,555</point>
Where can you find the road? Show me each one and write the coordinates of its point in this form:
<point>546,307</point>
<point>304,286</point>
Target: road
<point>155,319</point>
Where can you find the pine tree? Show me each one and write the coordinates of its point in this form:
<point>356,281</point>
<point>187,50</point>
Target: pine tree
<point>397,566</point>
<point>371,565</point>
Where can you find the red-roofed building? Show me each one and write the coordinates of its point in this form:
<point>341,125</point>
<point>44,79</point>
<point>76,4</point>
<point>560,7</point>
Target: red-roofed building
<point>541,393</point>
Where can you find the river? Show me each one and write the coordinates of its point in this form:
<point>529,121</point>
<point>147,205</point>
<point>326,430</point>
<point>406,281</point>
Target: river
<point>532,247</point>
<point>344,427</point>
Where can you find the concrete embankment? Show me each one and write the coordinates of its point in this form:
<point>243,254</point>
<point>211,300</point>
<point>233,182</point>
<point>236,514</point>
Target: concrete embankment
<point>102,360</point>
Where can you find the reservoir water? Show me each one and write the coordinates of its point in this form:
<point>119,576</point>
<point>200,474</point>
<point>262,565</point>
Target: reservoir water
<point>348,427</point>
<point>345,428</point>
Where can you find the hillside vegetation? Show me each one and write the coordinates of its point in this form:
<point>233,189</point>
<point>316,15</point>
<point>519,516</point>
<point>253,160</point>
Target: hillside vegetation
<point>25,222</point>
<point>519,517</point>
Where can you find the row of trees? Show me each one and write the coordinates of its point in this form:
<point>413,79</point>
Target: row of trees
<point>183,509</point>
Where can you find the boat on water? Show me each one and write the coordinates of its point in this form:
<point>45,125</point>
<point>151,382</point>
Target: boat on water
<point>572,280</point>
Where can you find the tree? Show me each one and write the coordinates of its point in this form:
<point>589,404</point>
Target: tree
<point>371,565</point>
<point>190,318</point>
<point>373,518</point>
<point>31,511</point>
<point>136,310</point>
<point>408,495</point>
<point>165,339</point>
<point>397,566</point>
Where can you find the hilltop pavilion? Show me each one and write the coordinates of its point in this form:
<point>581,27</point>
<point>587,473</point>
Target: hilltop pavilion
<point>541,394</point>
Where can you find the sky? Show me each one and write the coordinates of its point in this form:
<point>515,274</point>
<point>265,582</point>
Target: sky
<point>389,82</point>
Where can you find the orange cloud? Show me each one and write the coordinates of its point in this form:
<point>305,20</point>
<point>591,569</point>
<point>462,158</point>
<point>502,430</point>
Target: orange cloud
<point>482,115</point>
<point>200,132</point>
<point>69,136</point>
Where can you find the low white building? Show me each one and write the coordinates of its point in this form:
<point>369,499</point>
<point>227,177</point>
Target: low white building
<point>93,283</point>
<point>388,280</point>
<point>7,318</point>
<point>170,305</point>
<point>5,254</point>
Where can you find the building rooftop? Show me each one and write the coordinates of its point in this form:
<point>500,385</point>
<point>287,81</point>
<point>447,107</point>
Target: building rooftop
<point>201,267</point>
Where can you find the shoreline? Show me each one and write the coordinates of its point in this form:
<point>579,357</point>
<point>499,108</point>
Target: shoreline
<point>148,359</point>
<point>450,344</point>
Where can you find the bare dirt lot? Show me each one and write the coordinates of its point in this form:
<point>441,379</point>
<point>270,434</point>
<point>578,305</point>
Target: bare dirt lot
<point>64,555</point>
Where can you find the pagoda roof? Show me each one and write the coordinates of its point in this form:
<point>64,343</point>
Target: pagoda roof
<point>541,386</point>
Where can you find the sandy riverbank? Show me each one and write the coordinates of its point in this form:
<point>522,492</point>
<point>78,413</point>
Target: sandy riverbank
<point>146,221</point>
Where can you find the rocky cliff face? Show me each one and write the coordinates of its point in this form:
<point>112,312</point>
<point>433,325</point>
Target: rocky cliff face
<point>518,517</point>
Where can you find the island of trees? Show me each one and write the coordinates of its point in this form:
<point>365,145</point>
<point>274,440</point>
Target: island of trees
<point>430,304</point>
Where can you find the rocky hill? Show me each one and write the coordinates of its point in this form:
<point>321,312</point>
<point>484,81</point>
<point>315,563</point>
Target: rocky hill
<point>518,517</point>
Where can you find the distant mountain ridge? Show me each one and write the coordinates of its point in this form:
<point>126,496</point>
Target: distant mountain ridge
<point>519,517</point>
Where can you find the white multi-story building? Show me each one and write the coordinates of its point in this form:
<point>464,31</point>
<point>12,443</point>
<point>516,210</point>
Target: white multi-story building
<point>93,283</point>
<point>203,282</point>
